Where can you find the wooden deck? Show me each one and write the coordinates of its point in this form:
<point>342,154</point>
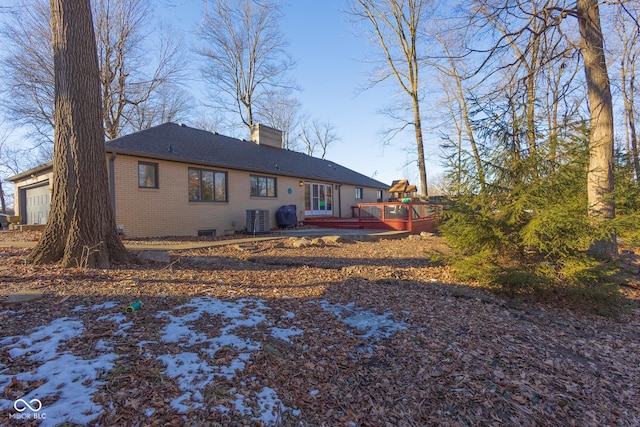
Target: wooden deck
<point>414,217</point>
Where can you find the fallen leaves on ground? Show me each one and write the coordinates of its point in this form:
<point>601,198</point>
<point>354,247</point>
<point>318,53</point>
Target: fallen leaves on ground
<point>338,333</point>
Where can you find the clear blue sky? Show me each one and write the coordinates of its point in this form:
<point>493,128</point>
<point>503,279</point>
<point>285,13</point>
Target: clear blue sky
<point>331,69</point>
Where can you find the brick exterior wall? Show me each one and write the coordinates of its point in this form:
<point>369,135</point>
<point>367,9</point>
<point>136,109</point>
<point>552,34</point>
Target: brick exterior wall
<point>167,211</point>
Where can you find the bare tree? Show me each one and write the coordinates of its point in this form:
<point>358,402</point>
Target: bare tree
<point>529,64</point>
<point>169,103</point>
<point>440,185</point>
<point>121,31</point>
<point>460,110</point>
<point>208,120</point>
<point>561,105</point>
<point>396,26</point>
<point>81,230</point>
<point>244,57</point>
<point>28,69</point>
<point>316,134</point>
<point>13,159</point>
<point>529,61</point>
<point>281,111</point>
<point>6,157</point>
<point>629,35</point>
<point>3,202</point>
<point>131,80</point>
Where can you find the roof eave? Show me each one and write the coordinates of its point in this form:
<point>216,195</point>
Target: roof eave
<point>171,158</point>
<point>33,171</point>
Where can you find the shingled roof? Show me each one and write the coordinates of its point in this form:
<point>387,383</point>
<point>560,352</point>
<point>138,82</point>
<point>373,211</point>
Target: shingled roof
<point>176,142</point>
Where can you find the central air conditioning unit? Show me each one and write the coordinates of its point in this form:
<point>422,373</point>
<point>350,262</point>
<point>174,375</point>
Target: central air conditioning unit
<point>258,221</point>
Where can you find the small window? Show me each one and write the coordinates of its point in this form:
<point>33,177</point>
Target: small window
<point>262,186</point>
<point>379,195</point>
<point>147,175</point>
<point>207,185</point>
<point>359,193</point>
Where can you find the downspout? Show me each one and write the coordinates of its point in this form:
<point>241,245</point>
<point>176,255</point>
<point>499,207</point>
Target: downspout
<point>112,182</point>
<point>339,200</point>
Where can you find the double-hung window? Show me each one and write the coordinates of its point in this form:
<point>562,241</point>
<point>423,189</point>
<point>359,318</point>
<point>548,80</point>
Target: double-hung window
<point>263,186</point>
<point>207,185</point>
<point>359,193</point>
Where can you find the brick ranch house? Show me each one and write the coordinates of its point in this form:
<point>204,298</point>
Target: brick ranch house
<point>174,180</point>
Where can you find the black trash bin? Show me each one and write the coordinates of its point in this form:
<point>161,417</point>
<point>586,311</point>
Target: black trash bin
<point>286,216</point>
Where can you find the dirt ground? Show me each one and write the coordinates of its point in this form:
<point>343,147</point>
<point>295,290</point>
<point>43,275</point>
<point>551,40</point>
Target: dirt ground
<point>339,333</point>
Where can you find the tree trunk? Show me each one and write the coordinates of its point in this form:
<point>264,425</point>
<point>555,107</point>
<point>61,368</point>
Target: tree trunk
<point>627,91</point>
<point>422,169</point>
<point>396,26</point>
<point>3,203</point>
<point>553,126</point>
<point>600,181</point>
<point>530,101</point>
<point>81,229</point>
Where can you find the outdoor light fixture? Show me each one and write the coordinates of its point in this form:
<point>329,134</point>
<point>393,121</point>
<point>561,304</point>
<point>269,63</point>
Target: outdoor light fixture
<point>301,183</point>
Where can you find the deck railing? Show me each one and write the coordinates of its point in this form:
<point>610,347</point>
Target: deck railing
<point>410,216</point>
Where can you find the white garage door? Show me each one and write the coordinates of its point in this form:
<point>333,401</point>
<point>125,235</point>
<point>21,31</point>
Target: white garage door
<point>38,204</point>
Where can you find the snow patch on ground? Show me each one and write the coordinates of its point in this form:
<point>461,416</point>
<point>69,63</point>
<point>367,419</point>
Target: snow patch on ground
<point>104,306</point>
<point>367,323</point>
<point>221,320</point>
<point>200,329</point>
<point>270,405</point>
<point>69,378</point>
<point>284,334</point>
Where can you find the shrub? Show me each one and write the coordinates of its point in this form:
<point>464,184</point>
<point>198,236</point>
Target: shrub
<point>530,238</point>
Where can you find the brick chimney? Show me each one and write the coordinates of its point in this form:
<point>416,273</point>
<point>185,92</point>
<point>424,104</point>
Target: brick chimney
<point>264,135</point>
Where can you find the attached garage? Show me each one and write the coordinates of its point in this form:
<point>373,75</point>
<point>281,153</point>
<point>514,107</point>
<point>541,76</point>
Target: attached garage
<point>37,203</point>
<point>33,194</point>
